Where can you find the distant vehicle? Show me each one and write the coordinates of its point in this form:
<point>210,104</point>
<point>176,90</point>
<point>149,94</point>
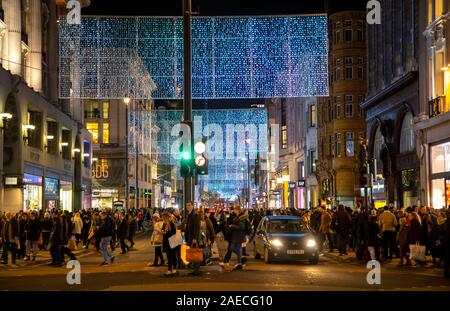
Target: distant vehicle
<point>285,238</point>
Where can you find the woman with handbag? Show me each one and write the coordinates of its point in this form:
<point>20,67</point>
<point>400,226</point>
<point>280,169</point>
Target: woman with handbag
<point>156,240</point>
<point>169,229</point>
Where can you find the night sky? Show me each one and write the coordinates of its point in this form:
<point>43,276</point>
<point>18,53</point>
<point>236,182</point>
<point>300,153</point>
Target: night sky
<point>219,7</point>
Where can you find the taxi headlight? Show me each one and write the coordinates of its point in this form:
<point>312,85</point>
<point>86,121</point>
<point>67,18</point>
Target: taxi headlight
<point>276,243</point>
<point>311,243</point>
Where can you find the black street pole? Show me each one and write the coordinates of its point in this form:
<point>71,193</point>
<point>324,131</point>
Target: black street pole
<point>248,178</point>
<point>187,87</point>
<point>127,194</point>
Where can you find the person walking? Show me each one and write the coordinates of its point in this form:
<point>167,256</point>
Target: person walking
<point>77,227</point>
<point>33,232</point>
<point>105,233</point>
<point>169,229</point>
<point>23,222</point>
<point>415,231</point>
<point>388,223</point>
<point>10,238</point>
<point>237,229</point>
<point>131,229</point>
<point>122,232</point>
<point>191,229</point>
<point>56,240</point>
<point>46,228</point>
<point>86,227</point>
<point>207,236</point>
<point>402,242</point>
<point>447,246</point>
<point>341,224</point>
<point>157,241</point>
<point>325,230</point>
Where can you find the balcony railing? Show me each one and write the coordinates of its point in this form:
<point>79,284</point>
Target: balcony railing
<point>437,106</point>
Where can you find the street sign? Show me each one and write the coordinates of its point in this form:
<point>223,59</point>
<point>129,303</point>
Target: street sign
<point>301,183</point>
<point>200,161</point>
<point>292,185</point>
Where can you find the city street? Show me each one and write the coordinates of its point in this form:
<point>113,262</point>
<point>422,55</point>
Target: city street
<point>130,273</point>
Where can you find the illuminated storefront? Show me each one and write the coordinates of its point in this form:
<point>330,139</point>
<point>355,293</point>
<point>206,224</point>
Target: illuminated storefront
<point>32,192</point>
<point>440,175</point>
<point>65,195</point>
<point>104,198</point>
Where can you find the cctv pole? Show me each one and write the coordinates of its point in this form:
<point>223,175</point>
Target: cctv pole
<point>187,88</point>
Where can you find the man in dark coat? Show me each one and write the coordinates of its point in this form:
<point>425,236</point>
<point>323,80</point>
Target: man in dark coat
<point>122,232</point>
<point>56,239</point>
<point>237,229</point>
<point>191,229</point>
<point>105,233</point>
<point>341,224</point>
<point>10,237</point>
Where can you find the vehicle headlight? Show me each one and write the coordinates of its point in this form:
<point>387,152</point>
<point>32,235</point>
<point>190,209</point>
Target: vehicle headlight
<point>311,243</point>
<point>276,243</point>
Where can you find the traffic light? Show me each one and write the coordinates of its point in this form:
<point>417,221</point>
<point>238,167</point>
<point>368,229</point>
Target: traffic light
<point>201,164</point>
<point>187,155</point>
<point>257,170</point>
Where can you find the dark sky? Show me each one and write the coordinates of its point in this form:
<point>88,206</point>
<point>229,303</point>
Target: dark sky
<point>218,7</point>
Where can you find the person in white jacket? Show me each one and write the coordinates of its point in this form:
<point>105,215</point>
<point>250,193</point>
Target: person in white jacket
<point>77,226</point>
<point>157,240</point>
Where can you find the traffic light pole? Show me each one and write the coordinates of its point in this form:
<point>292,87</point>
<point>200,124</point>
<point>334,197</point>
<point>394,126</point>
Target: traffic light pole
<point>188,188</point>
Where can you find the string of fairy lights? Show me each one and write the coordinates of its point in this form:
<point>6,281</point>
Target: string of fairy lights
<point>227,171</point>
<point>233,57</point>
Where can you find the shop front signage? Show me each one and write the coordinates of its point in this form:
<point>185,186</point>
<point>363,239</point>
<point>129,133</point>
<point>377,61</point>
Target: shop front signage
<point>11,181</point>
<point>301,183</point>
<point>110,145</point>
<point>292,185</point>
<point>100,171</point>
<point>32,179</point>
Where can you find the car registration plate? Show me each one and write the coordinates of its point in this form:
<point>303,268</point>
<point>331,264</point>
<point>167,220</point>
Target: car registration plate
<point>295,252</point>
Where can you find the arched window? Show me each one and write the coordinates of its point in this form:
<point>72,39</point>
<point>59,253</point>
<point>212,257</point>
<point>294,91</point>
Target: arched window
<point>407,139</point>
<point>377,147</point>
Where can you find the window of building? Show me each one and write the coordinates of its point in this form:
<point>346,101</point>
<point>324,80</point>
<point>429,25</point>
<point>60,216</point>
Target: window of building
<point>91,110</point>
<point>359,23</point>
<point>360,35</point>
<point>349,60</point>
<point>105,110</point>
<point>92,127</point>
<point>301,170</point>
<point>407,139</point>
<point>348,73</point>
<point>377,145</point>
<point>349,148</point>
<point>87,153</point>
<point>330,145</point>
<point>360,73</point>
<point>312,115</point>
<point>34,135</point>
<point>440,158</point>
<point>337,107</point>
<point>360,61</point>
<point>349,109</point>
<point>348,35</point>
<point>338,149</point>
<point>105,138</point>
<point>312,161</point>
<point>337,74</point>
<point>349,135</point>
<point>52,137</point>
<point>330,112</point>
<point>347,23</point>
<point>284,137</point>
<point>338,62</point>
<point>337,37</point>
<point>338,24</point>
<point>66,144</point>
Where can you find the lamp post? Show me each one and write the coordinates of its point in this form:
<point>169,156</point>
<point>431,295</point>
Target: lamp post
<point>126,100</point>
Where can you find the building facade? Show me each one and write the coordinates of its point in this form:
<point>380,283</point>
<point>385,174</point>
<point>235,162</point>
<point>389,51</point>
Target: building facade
<point>341,126</point>
<point>392,104</point>
<point>46,154</point>
<point>432,126</point>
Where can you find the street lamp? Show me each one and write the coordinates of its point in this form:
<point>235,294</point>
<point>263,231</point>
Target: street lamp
<point>28,128</point>
<point>5,116</point>
<point>126,100</point>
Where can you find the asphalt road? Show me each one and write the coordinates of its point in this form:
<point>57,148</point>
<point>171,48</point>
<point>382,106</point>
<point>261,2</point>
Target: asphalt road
<point>130,273</point>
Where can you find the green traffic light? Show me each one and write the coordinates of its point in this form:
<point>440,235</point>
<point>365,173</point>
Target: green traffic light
<point>186,155</point>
